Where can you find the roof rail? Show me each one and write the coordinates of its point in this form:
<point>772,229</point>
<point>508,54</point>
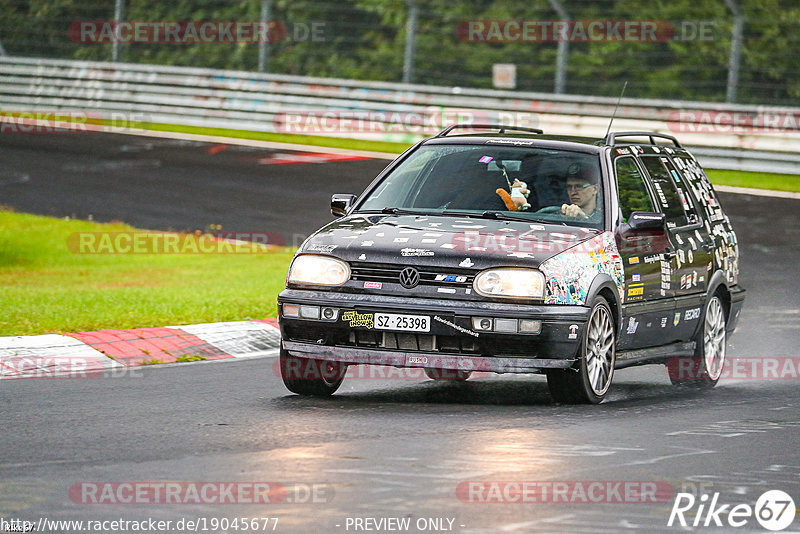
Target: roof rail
<point>502,129</point>
<point>610,138</point>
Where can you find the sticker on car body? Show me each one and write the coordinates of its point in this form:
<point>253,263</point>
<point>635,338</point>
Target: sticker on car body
<point>573,331</point>
<point>355,319</point>
<point>450,278</point>
<point>416,252</point>
<point>569,275</point>
<point>691,315</point>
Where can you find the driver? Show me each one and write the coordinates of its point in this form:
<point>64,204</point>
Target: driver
<point>583,183</point>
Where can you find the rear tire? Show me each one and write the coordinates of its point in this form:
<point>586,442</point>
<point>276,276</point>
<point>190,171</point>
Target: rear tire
<point>703,370</point>
<point>306,376</point>
<point>447,374</point>
<point>589,381</point>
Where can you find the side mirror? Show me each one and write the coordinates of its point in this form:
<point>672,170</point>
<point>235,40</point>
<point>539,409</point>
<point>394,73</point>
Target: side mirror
<point>645,220</point>
<point>644,233</point>
<point>341,203</point>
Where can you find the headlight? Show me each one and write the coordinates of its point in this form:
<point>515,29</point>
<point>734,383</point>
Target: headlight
<point>318,270</point>
<point>510,283</point>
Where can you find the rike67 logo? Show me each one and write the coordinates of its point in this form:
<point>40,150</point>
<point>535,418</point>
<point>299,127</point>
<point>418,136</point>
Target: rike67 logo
<point>774,510</point>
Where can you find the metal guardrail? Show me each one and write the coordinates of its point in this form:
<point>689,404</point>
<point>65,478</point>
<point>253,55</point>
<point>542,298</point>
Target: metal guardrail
<point>747,160</point>
<point>724,136</point>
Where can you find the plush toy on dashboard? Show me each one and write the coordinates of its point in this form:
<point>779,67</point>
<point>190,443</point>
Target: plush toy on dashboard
<point>518,199</point>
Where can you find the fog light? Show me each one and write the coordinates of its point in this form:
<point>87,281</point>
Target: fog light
<point>309,312</point>
<point>505,325</point>
<point>530,326</point>
<point>291,310</point>
<point>481,323</point>
<point>330,314</point>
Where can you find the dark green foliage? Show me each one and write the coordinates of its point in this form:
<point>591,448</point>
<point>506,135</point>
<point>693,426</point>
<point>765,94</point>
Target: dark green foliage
<point>365,39</point>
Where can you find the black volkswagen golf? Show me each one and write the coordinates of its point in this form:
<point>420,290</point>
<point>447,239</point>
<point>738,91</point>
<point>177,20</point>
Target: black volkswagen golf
<point>511,251</point>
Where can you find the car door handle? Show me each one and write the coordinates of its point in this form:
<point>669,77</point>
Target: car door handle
<point>668,254</point>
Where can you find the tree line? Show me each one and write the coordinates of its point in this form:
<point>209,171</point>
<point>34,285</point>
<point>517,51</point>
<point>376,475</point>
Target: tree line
<point>457,42</point>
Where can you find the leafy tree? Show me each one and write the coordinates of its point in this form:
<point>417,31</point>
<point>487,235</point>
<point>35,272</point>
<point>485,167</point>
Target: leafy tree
<point>365,40</point>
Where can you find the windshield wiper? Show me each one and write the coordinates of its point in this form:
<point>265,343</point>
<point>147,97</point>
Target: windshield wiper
<point>396,211</point>
<point>488,215</point>
<point>508,217</point>
<point>504,216</point>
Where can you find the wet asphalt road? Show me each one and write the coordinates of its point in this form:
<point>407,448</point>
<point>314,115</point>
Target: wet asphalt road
<point>172,184</point>
<point>382,447</point>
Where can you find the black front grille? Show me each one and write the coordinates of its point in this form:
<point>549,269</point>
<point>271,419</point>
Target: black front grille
<point>412,342</point>
<point>325,334</point>
<point>388,273</point>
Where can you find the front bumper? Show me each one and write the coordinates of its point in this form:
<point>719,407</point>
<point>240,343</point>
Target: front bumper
<point>451,343</point>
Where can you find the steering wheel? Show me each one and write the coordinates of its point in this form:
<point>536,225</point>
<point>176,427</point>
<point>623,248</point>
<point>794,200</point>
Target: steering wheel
<point>549,209</point>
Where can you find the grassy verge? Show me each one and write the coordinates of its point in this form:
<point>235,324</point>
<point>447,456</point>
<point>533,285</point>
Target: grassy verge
<point>314,140</point>
<point>47,288</point>
<point>758,180</point>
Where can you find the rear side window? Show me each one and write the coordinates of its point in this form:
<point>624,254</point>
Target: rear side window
<point>700,186</point>
<point>633,194</point>
<point>666,191</point>
<point>687,200</point>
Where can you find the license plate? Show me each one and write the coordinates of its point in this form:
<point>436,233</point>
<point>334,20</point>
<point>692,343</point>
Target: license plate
<point>405,323</point>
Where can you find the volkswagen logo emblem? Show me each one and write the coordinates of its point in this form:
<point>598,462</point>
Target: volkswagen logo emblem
<point>409,277</point>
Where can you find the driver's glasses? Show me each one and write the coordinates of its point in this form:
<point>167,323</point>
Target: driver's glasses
<point>577,187</point>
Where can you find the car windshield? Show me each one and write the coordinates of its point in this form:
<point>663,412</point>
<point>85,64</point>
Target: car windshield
<point>537,184</point>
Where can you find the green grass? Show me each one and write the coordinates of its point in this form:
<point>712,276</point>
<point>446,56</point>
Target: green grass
<point>190,358</point>
<point>758,180</point>
<point>314,140</point>
<point>46,288</point>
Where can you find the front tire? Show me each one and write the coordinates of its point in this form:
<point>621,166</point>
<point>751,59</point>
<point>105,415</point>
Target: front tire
<point>589,382</point>
<point>306,376</point>
<point>703,370</point>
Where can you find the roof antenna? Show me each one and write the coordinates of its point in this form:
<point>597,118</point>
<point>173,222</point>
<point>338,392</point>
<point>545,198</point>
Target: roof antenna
<point>615,109</point>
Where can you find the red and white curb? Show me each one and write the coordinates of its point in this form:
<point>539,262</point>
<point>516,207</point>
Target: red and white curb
<point>102,351</point>
<point>50,355</point>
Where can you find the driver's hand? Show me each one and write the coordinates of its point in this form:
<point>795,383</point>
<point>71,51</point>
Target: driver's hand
<point>571,210</point>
